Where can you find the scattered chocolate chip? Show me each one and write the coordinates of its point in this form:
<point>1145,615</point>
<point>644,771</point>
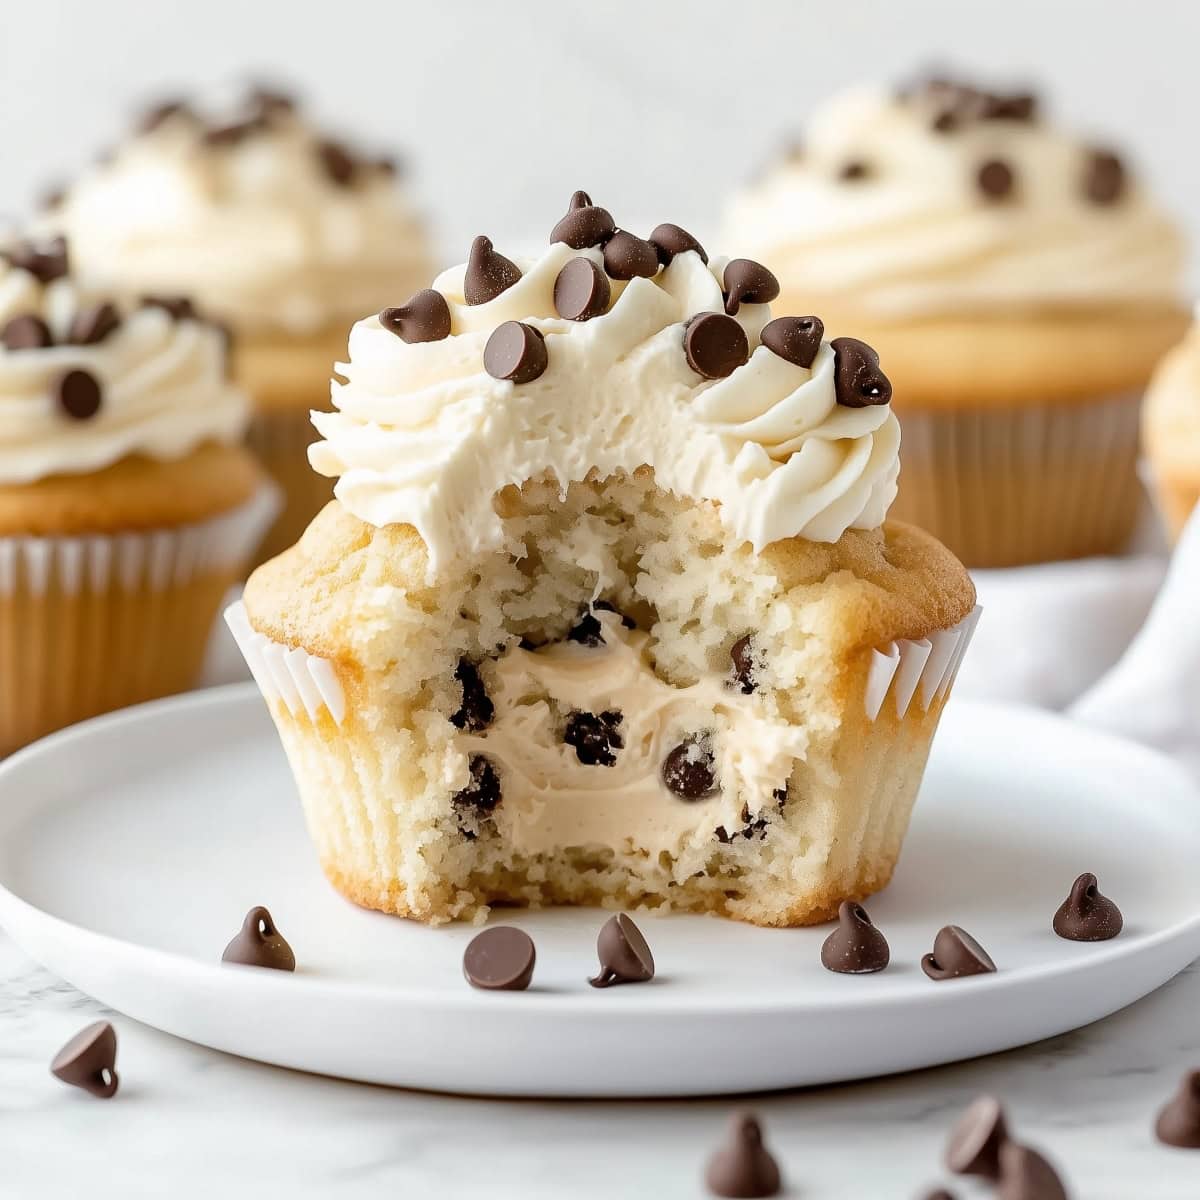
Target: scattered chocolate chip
<point>857,378</point>
<point>624,955</point>
<point>748,282</point>
<point>424,317</point>
<point>581,291</point>
<point>690,770</point>
<point>669,240</point>
<point>337,161</point>
<point>1104,179</point>
<point>743,1167</point>
<point>595,736</point>
<point>956,954</point>
<point>178,308</point>
<point>90,326</point>
<point>1178,1123</point>
<point>715,345</point>
<point>26,332</point>
<point>794,339</point>
<point>483,792</point>
<point>1026,1175</point>
<point>945,120</point>
<point>1086,915</point>
<point>159,114</point>
<point>587,631</point>
<point>260,944</point>
<point>477,710</point>
<point>516,352</point>
<point>488,273</point>
<point>746,662</point>
<point>500,960</point>
<point>995,179</point>
<point>89,1061</point>
<point>45,261</point>
<point>853,170</point>
<point>78,394</point>
<point>234,132</point>
<point>629,257</point>
<point>586,224</point>
<point>973,1147</point>
<point>1017,106</point>
<point>855,947</point>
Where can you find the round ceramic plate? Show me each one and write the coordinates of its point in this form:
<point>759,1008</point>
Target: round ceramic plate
<point>132,846</point>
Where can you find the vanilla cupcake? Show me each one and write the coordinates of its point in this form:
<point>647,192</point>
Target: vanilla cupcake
<point>1019,283</point>
<point>1171,431</point>
<point>127,504</point>
<point>280,232</point>
<point>606,609</point>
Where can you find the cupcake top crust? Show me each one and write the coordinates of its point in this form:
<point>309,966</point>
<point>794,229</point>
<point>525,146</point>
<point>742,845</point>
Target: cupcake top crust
<point>264,220</point>
<point>86,381</point>
<point>607,354</point>
<point>944,198</point>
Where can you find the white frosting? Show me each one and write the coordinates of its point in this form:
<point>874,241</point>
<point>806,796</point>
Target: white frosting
<point>916,236</point>
<point>423,435</point>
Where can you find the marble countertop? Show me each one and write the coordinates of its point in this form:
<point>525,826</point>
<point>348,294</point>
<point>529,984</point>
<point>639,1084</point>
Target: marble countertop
<point>191,1122</point>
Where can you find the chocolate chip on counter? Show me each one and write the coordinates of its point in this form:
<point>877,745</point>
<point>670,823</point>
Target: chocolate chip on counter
<point>516,352</point>
<point>90,326</point>
<point>423,317</point>
<point>586,224</point>
<point>973,1147</point>
<point>956,954</point>
<point>488,273</point>
<point>690,771</point>
<point>743,1167</point>
<point>260,944</point>
<point>748,282</point>
<point>45,261</point>
<point>178,308</point>
<point>629,257</point>
<point>669,240</point>
<point>581,291</point>
<point>1104,178</point>
<point>596,737</point>
<point>26,332</point>
<point>854,170</point>
<point>624,955</point>
<point>78,394</point>
<point>1086,915</point>
<point>483,792</point>
<point>715,345</point>
<point>858,380</point>
<point>477,710</point>
<point>996,179</point>
<point>1027,1175</point>
<point>89,1061</point>
<point>746,662</point>
<point>337,161</point>
<point>794,339</point>
<point>856,946</point>
<point>500,960</point>
<point>1178,1123</point>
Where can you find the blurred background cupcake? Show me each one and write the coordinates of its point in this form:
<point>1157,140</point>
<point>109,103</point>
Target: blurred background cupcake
<point>281,232</point>
<point>1019,283</point>
<point>1171,431</point>
<point>127,503</point>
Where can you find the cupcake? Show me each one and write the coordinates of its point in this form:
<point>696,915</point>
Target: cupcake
<point>282,233</point>
<point>1019,283</point>
<point>606,610</point>
<point>127,504</point>
<point>1171,431</point>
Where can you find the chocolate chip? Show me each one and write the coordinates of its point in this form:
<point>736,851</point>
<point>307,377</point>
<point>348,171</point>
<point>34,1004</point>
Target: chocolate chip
<point>669,240</point>
<point>1017,106</point>
<point>624,955</point>
<point>78,394</point>
<point>178,308</point>
<point>690,771</point>
<point>488,273</point>
<point>260,944</point>
<point>234,132</point>
<point>424,317</point>
<point>337,161</point>
<point>629,257</point>
<point>748,282</point>
<point>27,332</point>
<point>586,224</point>
<point>956,954</point>
<point>715,345</point>
<point>743,1167</point>
<point>1086,915</point>
<point>995,179</point>
<point>746,662</point>
<point>1104,179</point>
<point>477,710</point>
<point>581,291</point>
<point>853,170</point>
<point>159,114</point>
<point>794,339</point>
<point>46,261</point>
<point>855,947</point>
<point>1178,1123</point>
<point>500,960</point>
<point>89,1061</point>
<point>1026,1175</point>
<point>90,326</point>
<point>858,381</point>
<point>595,736</point>
<point>973,1147</point>
<point>516,352</point>
<point>587,631</point>
<point>483,792</point>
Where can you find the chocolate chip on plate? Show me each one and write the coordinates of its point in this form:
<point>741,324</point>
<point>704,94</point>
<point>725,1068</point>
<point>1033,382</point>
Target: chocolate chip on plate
<point>482,794</point>
<point>26,332</point>
<point>996,179</point>
<point>794,339</point>
<point>596,737</point>
<point>423,317</point>
<point>748,282</point>
<point>627,256</point>
<point>477,710</point>
<point>858,380</point>
<point>260,944</point>
<point>856,946</point>
<point>973,1147</point>
<point>1027,1175</point>
<point>624,955</point>
<point>1104,178</point>
<point>488,273</point>
<point>1178,1123</point>
<point>1086,915</point>
<point>92,325</point>
<point>586,224</point>
<point>743,1166</point>
<point>715,345</point>
<point>690,771</point>
<point>516,352</point>
<point>500,960</point>
<point>669,240</point>
<point>746,662</point>
<point>581,291</point>
<point>78,394</point>
<point>956,954</point>
<point>89,1061</point>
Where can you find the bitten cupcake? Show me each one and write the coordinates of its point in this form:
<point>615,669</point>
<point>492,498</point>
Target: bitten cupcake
<point>282,233</point>
<point>127,504</point>
<point>606,610</point>
<point>1171,431</point>
<point>1019,283</point>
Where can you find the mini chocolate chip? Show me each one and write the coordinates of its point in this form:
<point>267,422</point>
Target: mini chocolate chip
<point>500,960</point>
<point>423,317</point>
<point>595,736</point>
<point>858,381</point>
<point>669,240</point>
<point>234,132</point>
<point>995,179</point>
<point>78,394</point>
<point>1086,915</point>
<point>46,261</point>
<point>587,631</point>
<point>586,224</point>
<point>337,161</point>
<point>743,1167</point>
<point>756,828</point>
<point>27,332</point>
<point>516,352</point>
<point>1026,1175</point>
<point>488,273</point>
<point>715,345</point>
<point>483,792</point>
<point>746,662</point>
<point>1018,106</point>
<point>748,282</point>
<point>855,947</point>
<point>956,954</point>
<point>89,1061</point>
<point>794,339</point>
<point>1178,1123</point>
<point>945,120</point>
<point>624,955</point>
<point>629,257</point>
<point>973,1147</point>
<point>581,291</point>
<point>260,944</point>
<point>477,710</point>
<point>160,113</point>
<point>853,170</point>
<point>1104,179</point>
<point>178,308</point>
<point>690,771</point>
<point>90,326</point>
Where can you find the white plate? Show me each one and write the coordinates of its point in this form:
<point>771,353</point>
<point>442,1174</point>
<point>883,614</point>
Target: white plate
<point>131,847</point>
